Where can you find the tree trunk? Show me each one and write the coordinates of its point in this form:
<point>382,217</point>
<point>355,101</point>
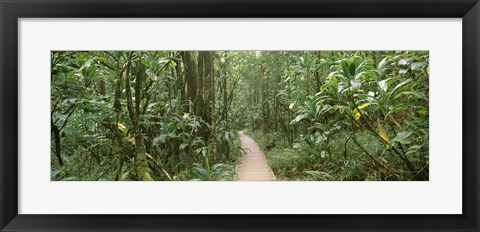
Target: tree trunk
<point>58,147</point>
<point>180,82</point>
<point>102,90</point>
<point>224,89</point>
<point>277,102</point>
<point>225,102</point>
<point>118,93</point>
<point>118,108</point>
<point>264,92</point>
<point>317,73</point>
<point>201,80</point>
<point>209,86</point>
<point>209,73</point>
<point>141,165</point>
<point>191,76</point>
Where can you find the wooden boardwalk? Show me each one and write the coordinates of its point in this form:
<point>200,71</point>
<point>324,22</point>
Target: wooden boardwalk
<point>253,165</point>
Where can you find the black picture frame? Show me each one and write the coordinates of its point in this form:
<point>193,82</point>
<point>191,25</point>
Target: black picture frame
<point>12,10</point>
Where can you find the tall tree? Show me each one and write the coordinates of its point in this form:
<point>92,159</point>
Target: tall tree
<point>210,91</point>
<point>202,88</point>
<point>192,83</point>
<point>141,165</point>
<point>224,89</point>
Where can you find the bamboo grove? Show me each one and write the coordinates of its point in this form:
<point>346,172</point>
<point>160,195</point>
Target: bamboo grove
<point>174,115</point>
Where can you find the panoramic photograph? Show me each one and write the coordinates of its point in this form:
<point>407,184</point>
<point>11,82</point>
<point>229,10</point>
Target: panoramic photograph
<point>239,116</point>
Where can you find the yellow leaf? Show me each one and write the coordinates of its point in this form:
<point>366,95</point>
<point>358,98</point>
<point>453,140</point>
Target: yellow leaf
<point>356,114</point>
<point>382,133</point>
<point>302,78</point>
<point>320,102</point>
<point>172,64</point>
<point>291,106</point>
<point>364,105</point>
<point>122,128</point>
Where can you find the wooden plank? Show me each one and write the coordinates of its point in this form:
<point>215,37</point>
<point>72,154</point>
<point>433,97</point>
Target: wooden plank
<point>253,165</point>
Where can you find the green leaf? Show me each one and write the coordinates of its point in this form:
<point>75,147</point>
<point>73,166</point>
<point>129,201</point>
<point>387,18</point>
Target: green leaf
<point>402,137</point>
<point>345,69</point>
<point>160,139</point>
<point>124,176</point>
<point>413,149</point>
<point>298,118</point>
<point>355,84</point>
<point>201,172</point>
<point>297,146</point>
<point>418,65</point>
<point>382,64</point>
<point>399,86</point>
<point>216,166</point>
<point>399,107</point>
<point>322,175</point>
<point>56,172</point>
<point>359,75</point>
<point>332,84</point>
<point>402,62</point>
<point>352,69</point>
<point>422,110</point>
<point>417,94</point>
<point>182,146</point>
<point>383,84</point>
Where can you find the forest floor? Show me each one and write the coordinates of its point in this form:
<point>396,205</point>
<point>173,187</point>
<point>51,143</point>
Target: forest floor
<point>253,165</point>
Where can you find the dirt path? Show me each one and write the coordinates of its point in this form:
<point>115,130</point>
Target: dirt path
<point>253,165</point>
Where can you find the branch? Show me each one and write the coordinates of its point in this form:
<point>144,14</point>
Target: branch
<point>68,116</point>
<point>127,88</point>
<point>106,65</point>
<point>54,108</point>
<point>373,158</point>
<point>159,165</point>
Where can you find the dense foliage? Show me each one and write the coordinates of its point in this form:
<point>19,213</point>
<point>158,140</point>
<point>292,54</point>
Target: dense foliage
<point>164,115</point>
